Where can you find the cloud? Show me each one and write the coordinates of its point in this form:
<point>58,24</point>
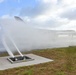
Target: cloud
<point>6,16</point>
<point>70,14</point>
<point>43,13</point>
<point>48,1</point>
<point>58,13</point>
<point>69,26</point>
<point>34,11</point>
<point>48,13</point>
<point>1,1</point>
<point>49,22</point>
<point>69,2</point>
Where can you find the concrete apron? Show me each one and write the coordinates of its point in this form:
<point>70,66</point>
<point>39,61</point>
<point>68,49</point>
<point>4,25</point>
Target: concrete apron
<point>5,64</point>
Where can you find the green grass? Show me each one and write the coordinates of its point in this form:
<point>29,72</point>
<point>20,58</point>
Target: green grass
<point>64,63</point>
<point>60,73</point>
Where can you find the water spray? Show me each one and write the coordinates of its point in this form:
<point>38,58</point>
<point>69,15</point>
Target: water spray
<point>7,48</point>
<point>4,31</point>
<point>15,45</point>
<point>13,58</point>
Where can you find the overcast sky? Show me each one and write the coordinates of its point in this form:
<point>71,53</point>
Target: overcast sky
<point>48,14</point>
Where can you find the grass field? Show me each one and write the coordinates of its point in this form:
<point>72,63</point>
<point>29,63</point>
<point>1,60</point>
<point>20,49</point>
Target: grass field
<point>64,63</point>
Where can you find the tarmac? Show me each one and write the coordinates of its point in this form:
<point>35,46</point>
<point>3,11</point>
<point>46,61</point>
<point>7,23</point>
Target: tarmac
<point>5,64</point>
